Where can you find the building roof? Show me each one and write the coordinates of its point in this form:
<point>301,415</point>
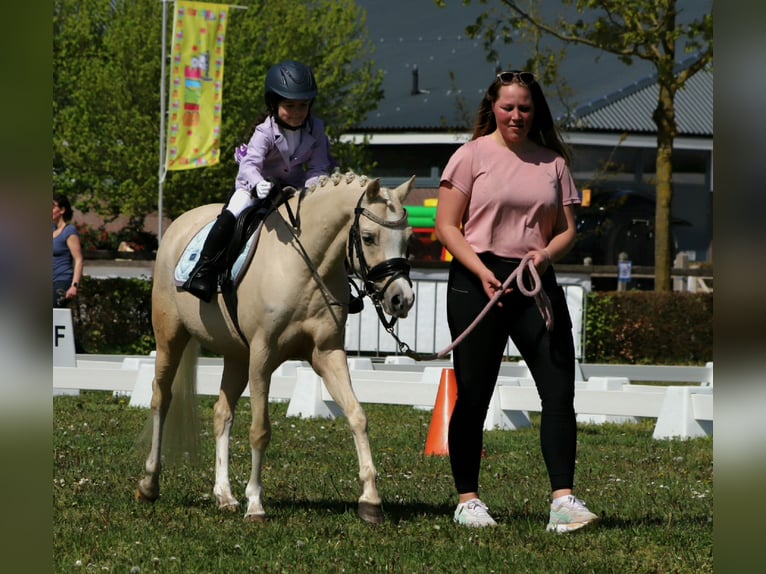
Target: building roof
<point>435,75</point>
<point>630,108</point>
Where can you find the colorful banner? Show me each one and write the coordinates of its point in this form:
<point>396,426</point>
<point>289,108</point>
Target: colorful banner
<point>196,85</point>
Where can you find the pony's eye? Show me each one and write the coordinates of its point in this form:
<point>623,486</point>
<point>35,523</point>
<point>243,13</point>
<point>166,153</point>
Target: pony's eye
<point>368,238</point>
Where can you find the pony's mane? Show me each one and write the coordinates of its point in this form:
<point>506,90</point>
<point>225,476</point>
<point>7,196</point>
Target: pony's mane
<point>348,178</point>
<point>337,178</point>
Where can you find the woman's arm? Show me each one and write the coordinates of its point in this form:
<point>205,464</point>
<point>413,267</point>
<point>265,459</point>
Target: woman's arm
<point>562,241</point>
<point>75,248</point>
<point>449,217</point>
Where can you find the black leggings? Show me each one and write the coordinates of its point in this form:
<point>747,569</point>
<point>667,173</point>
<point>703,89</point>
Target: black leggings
<point>549,356</point>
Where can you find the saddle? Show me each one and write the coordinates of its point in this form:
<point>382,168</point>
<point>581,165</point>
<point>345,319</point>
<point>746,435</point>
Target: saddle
<point>239,252</point>
<point>243,241</point>
<point>241,247</point>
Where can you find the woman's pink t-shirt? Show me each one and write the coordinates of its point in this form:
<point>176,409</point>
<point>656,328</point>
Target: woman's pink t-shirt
<point>513,200</point>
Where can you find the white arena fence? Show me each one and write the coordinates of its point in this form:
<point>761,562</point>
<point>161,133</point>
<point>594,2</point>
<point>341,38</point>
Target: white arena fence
<point>425,329</point>
<point>603,393</point>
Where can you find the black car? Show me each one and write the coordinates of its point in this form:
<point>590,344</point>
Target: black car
<point>611,221</point>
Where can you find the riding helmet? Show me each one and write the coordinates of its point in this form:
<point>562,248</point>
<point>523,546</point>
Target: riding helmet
<point>290,80</point>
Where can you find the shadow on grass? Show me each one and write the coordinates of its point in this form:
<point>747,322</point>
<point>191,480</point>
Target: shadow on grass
<point>392,511</point>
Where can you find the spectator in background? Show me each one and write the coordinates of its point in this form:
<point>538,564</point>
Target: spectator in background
<point>67,253</point>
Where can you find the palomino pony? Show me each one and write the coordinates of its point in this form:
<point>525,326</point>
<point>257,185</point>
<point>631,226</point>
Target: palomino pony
<point>293,304</point>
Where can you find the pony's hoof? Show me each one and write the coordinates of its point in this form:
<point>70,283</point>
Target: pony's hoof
<point>255,518</point>
<point>231,506</point>
<point>371,513</point>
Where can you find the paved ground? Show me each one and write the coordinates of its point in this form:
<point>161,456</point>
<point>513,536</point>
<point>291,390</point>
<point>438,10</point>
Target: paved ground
<point>109,268</point>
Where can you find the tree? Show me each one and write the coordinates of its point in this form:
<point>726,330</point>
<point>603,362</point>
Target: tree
<point>644,29</point>
<point>106,105</point>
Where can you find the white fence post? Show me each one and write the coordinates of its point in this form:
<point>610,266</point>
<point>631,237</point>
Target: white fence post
<point>307,400</point>
<point>677,417</point>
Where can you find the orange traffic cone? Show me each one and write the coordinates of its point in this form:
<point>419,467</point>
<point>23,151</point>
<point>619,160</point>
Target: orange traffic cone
<point>437,442</point>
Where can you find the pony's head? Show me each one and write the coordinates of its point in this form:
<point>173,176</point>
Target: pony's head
<point>377,250</point>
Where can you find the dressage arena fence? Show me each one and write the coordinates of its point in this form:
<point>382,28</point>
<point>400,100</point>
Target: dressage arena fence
<point>603,393</point>
<point>425,329</point>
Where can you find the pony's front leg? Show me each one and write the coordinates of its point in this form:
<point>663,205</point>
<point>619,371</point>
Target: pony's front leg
<point>333,368</point>
<point>233,383</point>
<point>260,437</point>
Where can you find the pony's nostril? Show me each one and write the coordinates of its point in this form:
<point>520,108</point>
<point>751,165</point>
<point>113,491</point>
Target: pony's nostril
<point>396,302</point>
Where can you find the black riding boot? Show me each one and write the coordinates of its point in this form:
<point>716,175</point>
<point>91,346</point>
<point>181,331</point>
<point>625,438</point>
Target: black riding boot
<point>203,279</point>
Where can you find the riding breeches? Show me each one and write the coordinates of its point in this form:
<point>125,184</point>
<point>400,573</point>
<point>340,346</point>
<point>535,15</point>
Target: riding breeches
<point>549,355</point>
<point>239,201</point>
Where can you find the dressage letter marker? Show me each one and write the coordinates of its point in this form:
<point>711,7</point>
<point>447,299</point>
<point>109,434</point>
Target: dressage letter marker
<point>63,339</point>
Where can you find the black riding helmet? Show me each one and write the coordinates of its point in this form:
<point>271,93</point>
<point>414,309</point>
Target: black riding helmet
<point>289,80</point>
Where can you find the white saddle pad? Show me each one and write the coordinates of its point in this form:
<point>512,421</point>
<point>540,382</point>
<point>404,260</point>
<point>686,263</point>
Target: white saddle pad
<point>189,256</point>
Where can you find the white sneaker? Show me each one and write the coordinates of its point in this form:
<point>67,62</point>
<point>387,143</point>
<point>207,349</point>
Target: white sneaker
<point>473,513</point>
<point>569,514</point>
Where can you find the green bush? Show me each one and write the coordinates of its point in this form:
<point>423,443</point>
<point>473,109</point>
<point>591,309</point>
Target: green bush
<point>113,316</point>
<point>648,327</point>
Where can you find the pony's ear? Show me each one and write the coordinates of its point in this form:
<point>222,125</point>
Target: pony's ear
<point>373,189</point>
<point>402,191</point>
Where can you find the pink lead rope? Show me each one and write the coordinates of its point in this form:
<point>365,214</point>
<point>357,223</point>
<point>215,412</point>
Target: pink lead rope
<point>541,298</point>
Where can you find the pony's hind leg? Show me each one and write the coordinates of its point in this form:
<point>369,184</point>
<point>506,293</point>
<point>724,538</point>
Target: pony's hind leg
<point>166,363</point>
<point>333,368</point>
<point>233,383</point>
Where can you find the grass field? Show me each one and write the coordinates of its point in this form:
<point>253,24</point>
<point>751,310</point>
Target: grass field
<point>655,500</point>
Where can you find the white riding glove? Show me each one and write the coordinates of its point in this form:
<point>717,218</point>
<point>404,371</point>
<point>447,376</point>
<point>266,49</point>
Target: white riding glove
<point>262,189</point>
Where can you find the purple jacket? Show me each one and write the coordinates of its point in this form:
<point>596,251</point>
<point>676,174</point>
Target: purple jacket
<point>267,156</point>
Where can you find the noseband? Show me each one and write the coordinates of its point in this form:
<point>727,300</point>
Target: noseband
<point>389,270</point>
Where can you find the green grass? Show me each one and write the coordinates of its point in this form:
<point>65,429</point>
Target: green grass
<point>655,499</point>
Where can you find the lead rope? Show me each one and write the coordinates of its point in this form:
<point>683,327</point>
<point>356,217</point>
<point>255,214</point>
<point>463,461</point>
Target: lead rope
<point>541,299</point>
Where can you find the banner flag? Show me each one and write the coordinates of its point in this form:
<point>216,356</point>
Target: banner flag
<point>196,85</point>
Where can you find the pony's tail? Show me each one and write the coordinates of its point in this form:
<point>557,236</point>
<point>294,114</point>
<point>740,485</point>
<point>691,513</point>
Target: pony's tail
<point>181,433</point>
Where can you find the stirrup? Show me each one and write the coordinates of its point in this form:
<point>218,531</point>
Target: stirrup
<point>199,285</point>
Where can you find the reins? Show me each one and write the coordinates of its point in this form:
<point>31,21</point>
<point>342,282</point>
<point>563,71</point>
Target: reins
<point>391,268</point>
<point>294,227</point>
<point>399,267</point>
<point>541,299</point>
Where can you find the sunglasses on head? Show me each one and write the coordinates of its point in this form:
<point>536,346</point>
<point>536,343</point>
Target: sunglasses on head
<point>524,78</point>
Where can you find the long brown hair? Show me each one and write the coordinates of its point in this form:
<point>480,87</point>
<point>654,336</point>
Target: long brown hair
<point>543,131</point>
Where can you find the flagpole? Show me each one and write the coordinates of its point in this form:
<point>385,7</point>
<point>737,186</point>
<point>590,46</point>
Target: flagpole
<point>163,98</point>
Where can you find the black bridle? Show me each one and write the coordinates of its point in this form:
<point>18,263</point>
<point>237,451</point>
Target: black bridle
<point>389,270</point>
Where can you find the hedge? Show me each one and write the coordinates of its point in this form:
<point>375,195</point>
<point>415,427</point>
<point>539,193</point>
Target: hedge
<point>113,316</point>
<point>648,327</point>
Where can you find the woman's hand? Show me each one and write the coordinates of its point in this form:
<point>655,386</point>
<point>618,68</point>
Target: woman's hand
<point>491,284</point>
<point>542,259</point>
<point>71,293</point>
